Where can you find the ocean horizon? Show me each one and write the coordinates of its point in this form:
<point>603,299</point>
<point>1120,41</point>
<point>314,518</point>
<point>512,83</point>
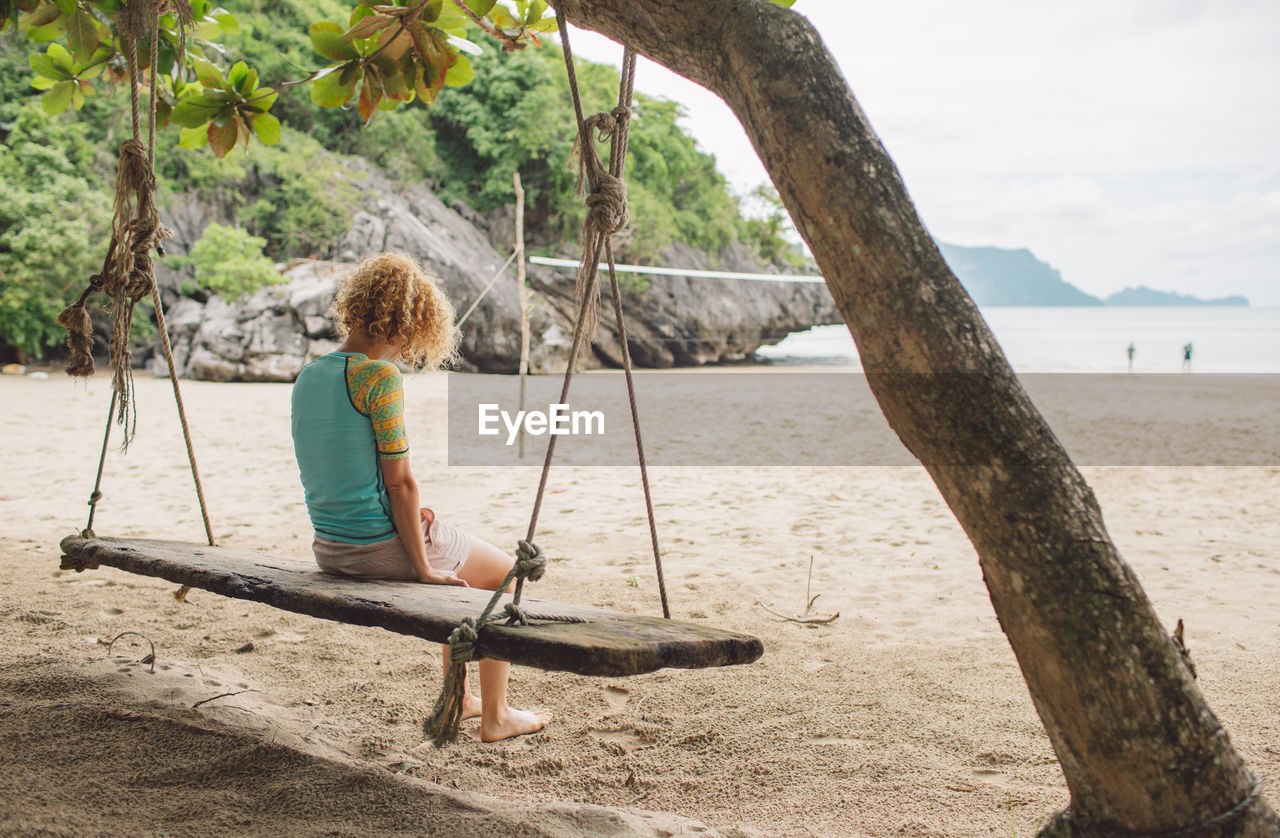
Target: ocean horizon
<point>1224,339</point>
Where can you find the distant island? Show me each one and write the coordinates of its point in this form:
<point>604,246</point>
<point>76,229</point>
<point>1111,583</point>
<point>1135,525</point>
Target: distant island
<point>1144,296</point>
<point>996,276</point>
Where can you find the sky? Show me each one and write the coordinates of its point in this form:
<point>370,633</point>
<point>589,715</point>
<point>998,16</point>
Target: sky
<point>1124,142</point>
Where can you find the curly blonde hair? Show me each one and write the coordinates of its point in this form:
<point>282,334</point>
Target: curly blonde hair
<point>391,297</point>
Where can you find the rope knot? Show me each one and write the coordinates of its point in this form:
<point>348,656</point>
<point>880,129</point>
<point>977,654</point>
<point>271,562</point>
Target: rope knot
<point>607,205</point>
<point>604,124</point>
<point>462,642</point>
<point>515,615</point>
<point>530,562</point>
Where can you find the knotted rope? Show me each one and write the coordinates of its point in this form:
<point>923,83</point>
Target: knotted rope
<point>604,190</point>
<point>128,269</point>
<point>606,215</point>
<point>443,724</point>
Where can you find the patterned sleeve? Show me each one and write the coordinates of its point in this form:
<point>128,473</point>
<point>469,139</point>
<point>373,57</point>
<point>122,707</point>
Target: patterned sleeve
<point>377,391</point>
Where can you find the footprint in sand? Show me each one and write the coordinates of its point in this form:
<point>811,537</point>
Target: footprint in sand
<point>620,740</point>
<point>617,697</point>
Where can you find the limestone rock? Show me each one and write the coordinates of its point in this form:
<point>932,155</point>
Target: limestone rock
<point>671,321</point>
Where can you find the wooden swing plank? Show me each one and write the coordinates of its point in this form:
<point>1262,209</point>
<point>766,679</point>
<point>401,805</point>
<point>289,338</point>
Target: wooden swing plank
<point>604,642</point>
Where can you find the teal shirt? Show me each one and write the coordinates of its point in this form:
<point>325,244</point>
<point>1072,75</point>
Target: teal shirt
<point>347,412</point>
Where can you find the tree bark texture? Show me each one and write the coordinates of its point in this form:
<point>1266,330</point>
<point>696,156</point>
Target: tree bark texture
<point>1141,751</point>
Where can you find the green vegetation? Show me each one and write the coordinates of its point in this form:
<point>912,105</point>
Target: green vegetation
<point>298,195</point>
<point>54,223</point>
<point>229,262</point>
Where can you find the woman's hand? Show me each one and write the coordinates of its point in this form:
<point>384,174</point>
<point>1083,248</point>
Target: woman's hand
<point>427,516</point>
<point>442,577</point>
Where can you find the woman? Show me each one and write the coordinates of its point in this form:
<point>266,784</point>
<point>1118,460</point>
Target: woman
<point>353,457</point>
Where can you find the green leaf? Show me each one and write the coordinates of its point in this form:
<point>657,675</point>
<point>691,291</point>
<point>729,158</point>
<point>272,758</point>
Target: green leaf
<point>451,19</point>
<point>330,91</point>
<point>326,39</point>
<point>481,7</point>
<point>228,22</point>
<point>194,111</point>
<point>396,88</point>
<point>224,115</point>
<point>46,33</point>
<point>262,99</point>
<point>97,63</point>
<point>42,16</point>
<point>197,137</point>
<point>42,83</point>
<point>242,78</point>
<point>208,74</point>
<point>222,138</point>
<point>367,26</point>
<point>207,29</point>
<point>67,7</point>
<point>267,128</point>
<point>787,3</point>
<point>61,59</point>
<point>393,44</point>
<point>165,65</point>
<point>248,83</point>
<point>58,97</point>
<point>236,75</point>
<point>461,73</point>
<point>77,97</point>
<point>360,12</point>
<point>82,34</point>
<point>534,13</point>
<point>44,66</point>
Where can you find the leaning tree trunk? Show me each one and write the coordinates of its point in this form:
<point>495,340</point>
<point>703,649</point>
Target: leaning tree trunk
<point>1140,748</point>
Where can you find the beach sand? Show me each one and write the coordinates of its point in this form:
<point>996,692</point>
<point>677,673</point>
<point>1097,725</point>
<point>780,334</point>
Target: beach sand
<point>907,715</point>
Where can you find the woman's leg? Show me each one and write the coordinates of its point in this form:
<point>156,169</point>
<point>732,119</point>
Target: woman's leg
<point>485,568</point>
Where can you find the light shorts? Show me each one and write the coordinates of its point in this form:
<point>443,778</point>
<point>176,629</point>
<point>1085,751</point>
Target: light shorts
<point>447,550</point>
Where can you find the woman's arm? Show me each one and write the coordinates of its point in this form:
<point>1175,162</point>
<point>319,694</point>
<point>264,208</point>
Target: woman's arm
<point>402,489</point>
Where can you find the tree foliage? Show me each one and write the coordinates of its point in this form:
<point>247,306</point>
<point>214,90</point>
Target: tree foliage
<point>229,262</point>
<point>53,224</point>
<point>480,106</point>
<point>379,56</point>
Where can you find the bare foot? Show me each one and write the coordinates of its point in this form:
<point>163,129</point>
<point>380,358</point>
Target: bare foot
<point>471,706</point>
<point>514,723</point>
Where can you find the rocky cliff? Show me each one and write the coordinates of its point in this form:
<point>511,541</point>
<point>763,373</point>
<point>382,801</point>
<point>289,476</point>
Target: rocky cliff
<point>671,321</point>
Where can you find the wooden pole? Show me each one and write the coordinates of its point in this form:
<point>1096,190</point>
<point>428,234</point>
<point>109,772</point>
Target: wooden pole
<point>524,299</point>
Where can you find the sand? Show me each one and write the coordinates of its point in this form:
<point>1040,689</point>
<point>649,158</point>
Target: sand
<point>907,715</point>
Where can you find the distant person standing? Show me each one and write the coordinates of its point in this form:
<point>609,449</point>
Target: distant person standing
<point>1186,357</point>
<point>1131,351</point>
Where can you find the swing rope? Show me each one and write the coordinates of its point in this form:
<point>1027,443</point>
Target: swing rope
<point>128,271</point>
<point>606,202</point>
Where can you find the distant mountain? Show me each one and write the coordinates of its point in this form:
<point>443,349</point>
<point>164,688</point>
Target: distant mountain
<point>994,276</point>
<point>1144,296</point>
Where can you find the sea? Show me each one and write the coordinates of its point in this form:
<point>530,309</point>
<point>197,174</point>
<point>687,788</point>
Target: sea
<point>1092,339</point>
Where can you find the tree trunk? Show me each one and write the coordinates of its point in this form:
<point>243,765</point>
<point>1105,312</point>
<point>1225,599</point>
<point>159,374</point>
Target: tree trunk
<point>1140,749</point>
